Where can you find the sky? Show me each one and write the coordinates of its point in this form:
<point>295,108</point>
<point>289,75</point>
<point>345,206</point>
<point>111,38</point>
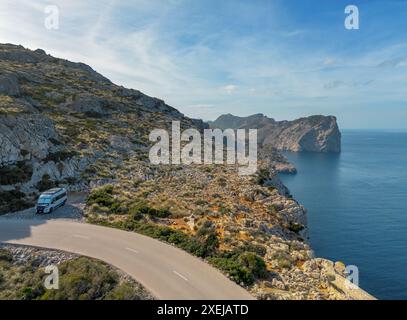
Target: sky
<point>283,58</point>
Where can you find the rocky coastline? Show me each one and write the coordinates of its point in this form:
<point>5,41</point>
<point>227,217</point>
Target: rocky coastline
<point>63,124</point>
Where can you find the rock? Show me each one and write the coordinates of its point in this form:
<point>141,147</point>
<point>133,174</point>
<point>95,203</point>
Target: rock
<point>340,267</point>
<point>278,284</point>
<point>29,132</point>
<point>312,134</point>
<point>9,85</point>
<point>90,105</point>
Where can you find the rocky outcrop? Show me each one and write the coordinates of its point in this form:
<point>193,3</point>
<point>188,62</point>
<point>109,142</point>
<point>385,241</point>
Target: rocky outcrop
<point>9,85</point>
<point>62,123</point>
<point>25,137</point>
<point>311,134</point>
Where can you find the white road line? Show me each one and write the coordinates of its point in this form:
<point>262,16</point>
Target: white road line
<point>180,275</point>
<point>81,236</point>
<point>132,250</point>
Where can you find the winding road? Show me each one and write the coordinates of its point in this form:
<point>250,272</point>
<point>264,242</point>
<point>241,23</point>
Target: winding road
<point>167,272</point>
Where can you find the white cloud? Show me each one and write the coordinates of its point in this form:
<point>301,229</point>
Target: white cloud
<point>229,89</point>
<point>202,71</point>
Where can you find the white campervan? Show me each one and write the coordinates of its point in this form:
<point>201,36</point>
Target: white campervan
<point>51,200</point>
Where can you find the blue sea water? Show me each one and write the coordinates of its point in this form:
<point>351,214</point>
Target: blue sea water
<point>357,206</point>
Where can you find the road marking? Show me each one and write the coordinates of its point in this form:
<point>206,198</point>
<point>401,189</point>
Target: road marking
<point>180,275</point>
<point>81,236</point>
<point>132,250</point>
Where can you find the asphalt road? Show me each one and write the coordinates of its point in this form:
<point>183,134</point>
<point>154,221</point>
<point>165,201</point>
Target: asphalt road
<point>167,272</point>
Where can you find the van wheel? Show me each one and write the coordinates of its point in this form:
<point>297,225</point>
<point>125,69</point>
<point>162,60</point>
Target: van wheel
<point>64,203</point>
<point>50,210</point>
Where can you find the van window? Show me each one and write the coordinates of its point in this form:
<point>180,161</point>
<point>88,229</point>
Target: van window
<point>44,200</point>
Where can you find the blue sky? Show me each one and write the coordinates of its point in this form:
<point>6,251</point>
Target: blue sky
<point>285,59</point>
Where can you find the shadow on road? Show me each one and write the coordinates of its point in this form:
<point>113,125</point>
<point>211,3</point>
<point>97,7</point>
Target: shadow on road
<point>11,229</point>
<point>17,225</point>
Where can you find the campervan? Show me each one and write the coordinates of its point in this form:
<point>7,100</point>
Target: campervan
<point>51,200</point>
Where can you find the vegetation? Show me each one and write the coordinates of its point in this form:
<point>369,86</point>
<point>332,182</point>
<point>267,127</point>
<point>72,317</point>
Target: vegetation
<point>295,227</point>
<point>243,265</point>
<point>79,279</point>
<point>21,172</point>
<point>61,155</point>
<point>14,200</point>
<point>105,199</point>
<point>263,175</point>
<point>46,183</point>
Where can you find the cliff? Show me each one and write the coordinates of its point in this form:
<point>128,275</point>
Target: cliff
<point>62,123</point>
<point>58,119</point>
<point>311,134</point>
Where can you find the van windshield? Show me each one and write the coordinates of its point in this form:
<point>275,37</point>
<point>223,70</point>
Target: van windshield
<point>44,200</point>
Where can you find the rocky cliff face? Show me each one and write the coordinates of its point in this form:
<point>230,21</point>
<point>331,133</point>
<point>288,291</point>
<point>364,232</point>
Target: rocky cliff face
<point>61,121</point>
<point>312,134</point>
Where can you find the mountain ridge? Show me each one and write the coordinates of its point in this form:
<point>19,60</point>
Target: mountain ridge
<point>315,133</point>
<point>63,124</point>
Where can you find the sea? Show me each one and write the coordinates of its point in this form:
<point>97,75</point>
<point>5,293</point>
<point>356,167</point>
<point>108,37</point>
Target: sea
<point>356,205</point>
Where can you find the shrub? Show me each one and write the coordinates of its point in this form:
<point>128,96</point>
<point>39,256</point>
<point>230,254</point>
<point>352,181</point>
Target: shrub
<point>13,201</point>
<point>236,272</point>
<point>83,279</point>
<point>284,260</point>
<point>102,196</point>
<point>255,248</point>
<point>254,263</point>
<point>263,175</point>
<point>5,255</point>
<point>222,182</point>
<point>241,267</point>
<point>46,183</point>
<point>123,292</point>
<point>141,208</point>
<point>295,227</point>
<point>19,173</point>
<point>201,202</point>
<point>61,155</point>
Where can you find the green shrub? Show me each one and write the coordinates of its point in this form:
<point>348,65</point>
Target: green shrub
<point>102,196</point>
<point>14,200</point>
<point>295,227</point>
<point>5,255</point>
<point>83,279</point>
<point>61,155</point>
<point>236,272</point>
<point>141,208</point>
<point>256,248</point>
<point>241,267</point>
<point>123,292</point>
<point>284,260</point>
<point>263,175</point>
<point>46,183</point>
<point>201,202</point>
<point>19,173</point>
<point>222,182</point>
<point>254,263</point>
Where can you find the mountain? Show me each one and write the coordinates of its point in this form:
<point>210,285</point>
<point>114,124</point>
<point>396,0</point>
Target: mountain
<point>64,124</point>
<point>60,119</point>
<point>313,134</point>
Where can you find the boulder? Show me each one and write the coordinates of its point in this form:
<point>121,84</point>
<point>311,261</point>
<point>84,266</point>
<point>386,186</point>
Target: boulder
<point>9,85</point>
